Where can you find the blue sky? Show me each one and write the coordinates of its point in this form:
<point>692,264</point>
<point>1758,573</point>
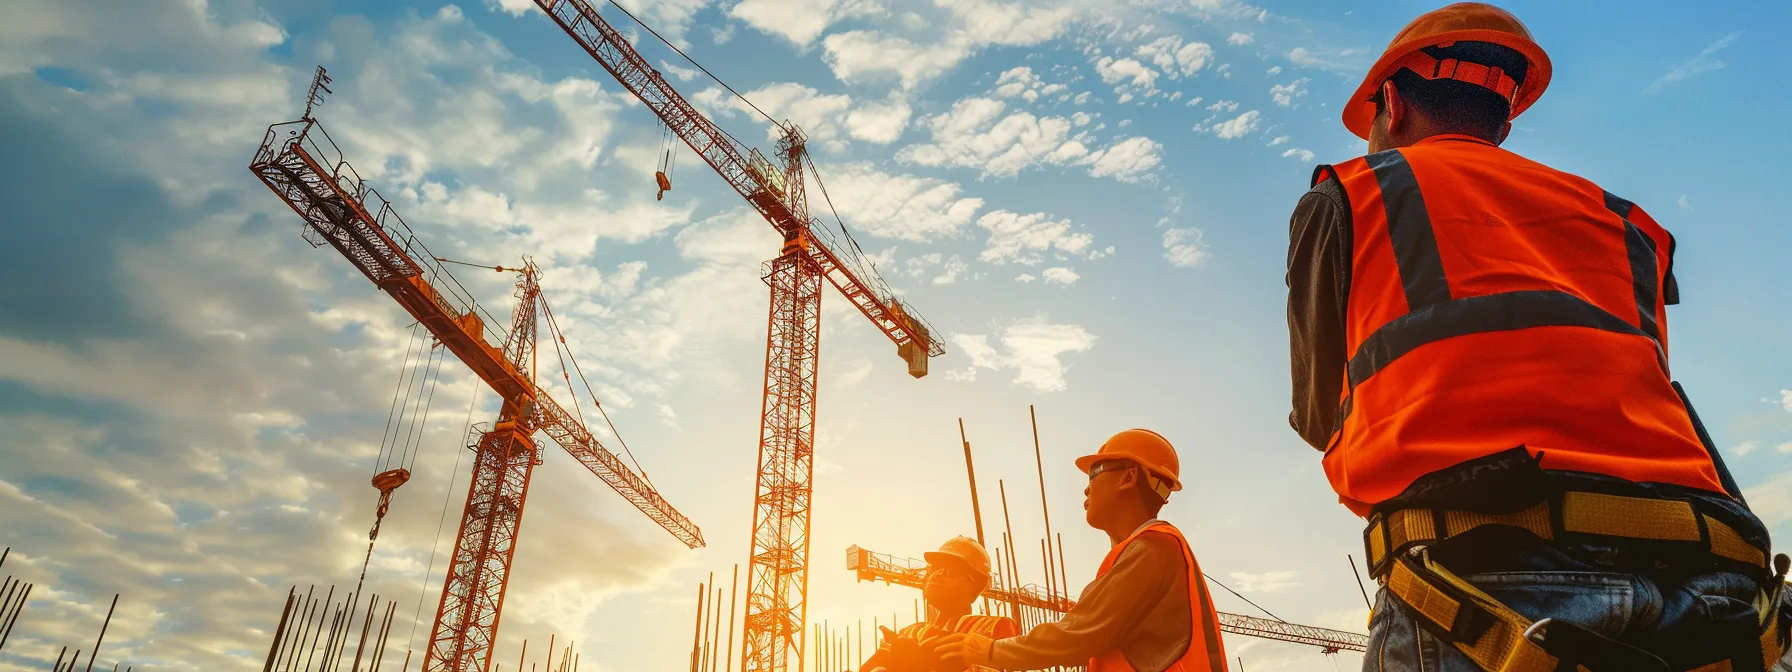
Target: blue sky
<point>190,393</point>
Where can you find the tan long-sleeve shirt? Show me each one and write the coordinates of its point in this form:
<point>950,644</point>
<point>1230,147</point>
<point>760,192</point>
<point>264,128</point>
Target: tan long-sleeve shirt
<point>1141,607</point>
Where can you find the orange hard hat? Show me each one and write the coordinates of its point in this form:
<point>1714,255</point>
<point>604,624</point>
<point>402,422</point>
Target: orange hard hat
<point>1145,448</point>
<point>964,549</point>
<point>1460,22</point>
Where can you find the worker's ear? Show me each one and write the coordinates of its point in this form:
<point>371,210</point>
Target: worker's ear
<point>1395,106</point>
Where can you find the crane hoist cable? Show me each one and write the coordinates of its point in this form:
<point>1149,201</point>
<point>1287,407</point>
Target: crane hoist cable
<point>442,520</point>
<point>560,339</point>
<point>694,62</point>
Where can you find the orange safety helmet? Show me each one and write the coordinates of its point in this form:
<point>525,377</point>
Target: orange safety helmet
<point>964,549</point>
<point>1145,448</point>
<point>1460,22</point>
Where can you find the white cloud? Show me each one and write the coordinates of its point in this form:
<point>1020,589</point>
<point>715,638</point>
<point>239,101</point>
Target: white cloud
<point>829,120</point>
<point>1683,203</point>
<point>1771,500</point>
<point>1176,58</point>
<point>1302,154</point>
<point>1058,275</point>
<point>1784,447</point>
<point>1128,160</point>
<point>1015,81</point>
<point>1340,60</point>
<point>511,7</point>
<point>899,207</point>
<point>1025,278</point>
<point>1033,349</point>
<point>1127,73</point>
<point>1240,39</point>
<point>1024,239</point>
<point>980,133</point>
<point>1239,126</point>
<point>1265,582</point>
<point>799,21</point>
<point>861,56</point>
<point>1183,248</point>
<point>1222,106</point>
<point>1786,400</point>
<point>1744,448</point>
<point>1280,139</point>
<point>1284,94</point>
<point>1275,70</point>
<point>1698,65</point>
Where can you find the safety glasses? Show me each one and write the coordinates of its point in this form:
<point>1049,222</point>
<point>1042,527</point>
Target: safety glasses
<point>1100,468</point>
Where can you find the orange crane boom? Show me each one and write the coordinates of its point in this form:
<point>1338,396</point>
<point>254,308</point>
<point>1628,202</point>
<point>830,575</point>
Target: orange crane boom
<point>778,565</point>
<point>301,164</point>
<point>869,566</point>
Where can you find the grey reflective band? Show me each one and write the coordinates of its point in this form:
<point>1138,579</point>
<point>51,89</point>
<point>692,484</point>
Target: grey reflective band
<point>1641,250</point>
<point>1409,229</point>
<point>1506,311</point>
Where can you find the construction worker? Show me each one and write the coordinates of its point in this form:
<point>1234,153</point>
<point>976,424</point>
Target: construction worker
<point>1479,349</point>
<point>1148,609</point>
<point>956,575</point>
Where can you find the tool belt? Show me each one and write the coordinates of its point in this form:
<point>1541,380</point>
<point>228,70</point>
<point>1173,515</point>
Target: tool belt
<point>1499,639</point>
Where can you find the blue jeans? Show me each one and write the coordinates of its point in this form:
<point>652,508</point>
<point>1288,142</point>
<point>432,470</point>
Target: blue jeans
<point>1686,622</point>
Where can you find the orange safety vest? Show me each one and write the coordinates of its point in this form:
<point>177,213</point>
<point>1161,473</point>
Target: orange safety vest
<point>1496,302</point>
<point>1205,649</point>
<point>993,627</point>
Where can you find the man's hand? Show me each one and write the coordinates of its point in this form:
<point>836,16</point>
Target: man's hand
<point>908,655</point>
<point>958,651</point>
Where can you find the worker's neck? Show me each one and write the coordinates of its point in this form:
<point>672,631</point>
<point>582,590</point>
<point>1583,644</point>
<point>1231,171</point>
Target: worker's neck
<point>1126,523</point>
<point>945,617</point>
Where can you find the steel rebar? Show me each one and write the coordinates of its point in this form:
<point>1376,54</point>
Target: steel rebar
<point>279,631</point>
<point>102,637</point>
<point>732,586</point>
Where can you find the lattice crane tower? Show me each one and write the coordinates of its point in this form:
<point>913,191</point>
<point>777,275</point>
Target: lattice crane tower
<point>778,566</point>
<point>301,164</point>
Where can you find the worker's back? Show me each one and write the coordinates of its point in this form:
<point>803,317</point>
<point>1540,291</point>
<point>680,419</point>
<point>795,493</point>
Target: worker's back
<point>1496,302</point>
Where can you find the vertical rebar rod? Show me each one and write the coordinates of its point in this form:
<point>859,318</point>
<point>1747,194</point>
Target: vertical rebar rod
<point>96,643</point>
<point>697,630</point>
<point>379,652</point>
<point>59,658</point>
<point>732,587</point>
<point>366,624</point>
<point>1063,577</point>
<point>522,656</point>
<point>1008,543</point>
<point>715,630</point>
<point>1046,509</point>
<point>302,617</point>
<point>970,470</point>
<point>550,663</point>
<point>279,630</point>
<point>311,651</point>
<point>304,630</point>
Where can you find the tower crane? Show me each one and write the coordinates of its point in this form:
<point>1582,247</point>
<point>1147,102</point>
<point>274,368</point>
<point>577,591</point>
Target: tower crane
<point>778,566</point>
<point>304,167</point>
<point>869,566</point>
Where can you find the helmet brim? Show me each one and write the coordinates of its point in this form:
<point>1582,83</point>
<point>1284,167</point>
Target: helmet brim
<point>1359,111</point>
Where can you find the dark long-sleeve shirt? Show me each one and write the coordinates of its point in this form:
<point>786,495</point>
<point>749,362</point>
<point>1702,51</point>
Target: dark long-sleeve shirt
<point>1319,247</point>
<point>1141,606</point>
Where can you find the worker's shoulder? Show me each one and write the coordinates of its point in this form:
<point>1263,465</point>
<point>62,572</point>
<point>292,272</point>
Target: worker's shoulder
<point>1158,542</point>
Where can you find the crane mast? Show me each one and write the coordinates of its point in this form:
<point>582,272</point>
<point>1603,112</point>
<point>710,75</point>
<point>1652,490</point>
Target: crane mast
<point>778,565</point>
<point>300,163</point>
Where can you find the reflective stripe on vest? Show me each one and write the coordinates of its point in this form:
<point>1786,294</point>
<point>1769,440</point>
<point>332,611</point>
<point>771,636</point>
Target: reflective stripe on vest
<point>993,627</point>
<point>1495,302</point>
<point>1206,651</point>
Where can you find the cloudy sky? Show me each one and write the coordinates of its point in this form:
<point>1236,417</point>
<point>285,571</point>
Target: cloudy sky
<point>1088,199</point>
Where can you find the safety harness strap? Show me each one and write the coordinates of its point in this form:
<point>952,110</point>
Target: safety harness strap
<point>1665,522</point>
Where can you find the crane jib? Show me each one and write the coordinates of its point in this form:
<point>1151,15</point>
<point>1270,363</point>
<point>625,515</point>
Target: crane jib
<point>773,190</point>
